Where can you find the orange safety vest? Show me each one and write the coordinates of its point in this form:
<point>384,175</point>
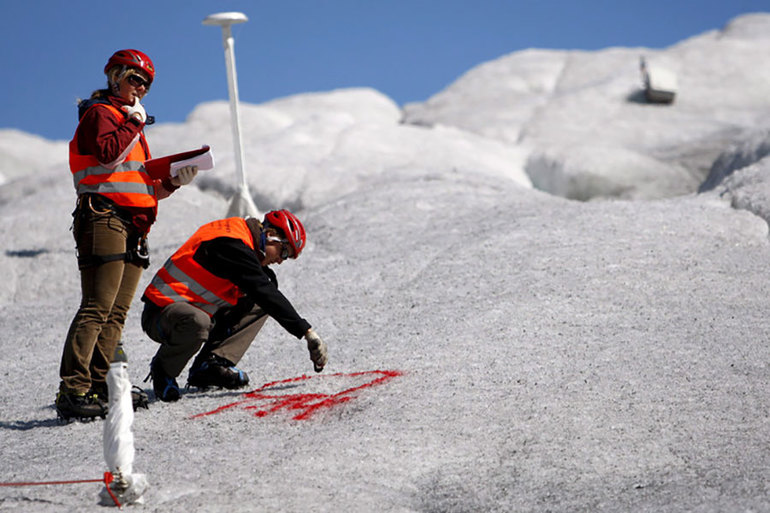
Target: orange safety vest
<point>127,183</point>
<point>182,279</point>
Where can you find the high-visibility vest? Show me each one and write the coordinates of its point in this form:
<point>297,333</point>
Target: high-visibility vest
<point>182,279</point>
<point>126,183</point>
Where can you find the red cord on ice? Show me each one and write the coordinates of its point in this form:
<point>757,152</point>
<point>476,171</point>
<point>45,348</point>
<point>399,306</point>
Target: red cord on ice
<point>107,479</point>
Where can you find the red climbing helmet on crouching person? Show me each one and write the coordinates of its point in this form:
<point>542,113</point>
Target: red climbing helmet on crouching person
<point>290,226</point>
<point>131,59</point>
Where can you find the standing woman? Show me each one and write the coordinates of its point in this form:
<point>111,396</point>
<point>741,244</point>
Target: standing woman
<point>117,203</point>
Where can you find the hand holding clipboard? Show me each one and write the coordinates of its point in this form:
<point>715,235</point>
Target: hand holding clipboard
<point>164,167</point>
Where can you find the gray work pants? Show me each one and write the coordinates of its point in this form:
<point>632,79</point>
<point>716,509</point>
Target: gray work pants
<point>182,330</point>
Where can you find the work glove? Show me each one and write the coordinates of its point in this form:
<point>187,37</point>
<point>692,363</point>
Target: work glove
<point>184,175</point>
<point>317,349</point>
<point>136,110</point>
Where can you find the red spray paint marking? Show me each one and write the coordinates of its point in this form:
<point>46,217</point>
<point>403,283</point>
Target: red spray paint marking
<point>268,403</point>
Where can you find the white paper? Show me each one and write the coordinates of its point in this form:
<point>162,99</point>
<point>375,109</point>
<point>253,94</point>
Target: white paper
<point>203,161</point>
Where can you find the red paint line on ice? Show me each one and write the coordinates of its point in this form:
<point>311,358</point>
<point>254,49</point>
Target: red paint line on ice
<point>263,402</point>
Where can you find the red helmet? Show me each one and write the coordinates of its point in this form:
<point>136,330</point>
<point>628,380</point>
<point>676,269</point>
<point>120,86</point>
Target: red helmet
<point>290,226</point>
<point>132,59</point>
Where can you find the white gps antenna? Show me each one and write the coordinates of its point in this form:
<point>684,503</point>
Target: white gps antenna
<point>242,204</point>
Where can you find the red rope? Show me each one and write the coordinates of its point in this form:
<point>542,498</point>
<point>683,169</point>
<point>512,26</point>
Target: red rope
<point>30,483</point>
<point>107,479</point>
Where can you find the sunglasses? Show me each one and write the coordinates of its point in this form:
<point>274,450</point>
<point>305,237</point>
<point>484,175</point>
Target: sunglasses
<point>284,247</point>
<point>137,81</point>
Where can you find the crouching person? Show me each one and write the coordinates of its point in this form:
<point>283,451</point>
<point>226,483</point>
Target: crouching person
<point>215,294</point>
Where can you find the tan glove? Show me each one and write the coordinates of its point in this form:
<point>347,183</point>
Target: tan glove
<point>184,175</point>
<point>136,110</point>
<point>317,349</point>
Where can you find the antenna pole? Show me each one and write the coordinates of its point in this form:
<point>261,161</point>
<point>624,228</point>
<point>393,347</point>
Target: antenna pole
<point>242,204</point>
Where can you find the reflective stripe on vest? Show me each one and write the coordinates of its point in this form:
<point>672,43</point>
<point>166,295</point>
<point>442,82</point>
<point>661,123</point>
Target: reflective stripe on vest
<point>182,279</point>
<point>127,184</point>
<point>193,292</point>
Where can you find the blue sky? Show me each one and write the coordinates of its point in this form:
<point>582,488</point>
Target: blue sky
<point>54,51</point>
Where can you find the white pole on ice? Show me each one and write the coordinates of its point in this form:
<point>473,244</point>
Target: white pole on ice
<point>242,204</point>
<point>118,439</point>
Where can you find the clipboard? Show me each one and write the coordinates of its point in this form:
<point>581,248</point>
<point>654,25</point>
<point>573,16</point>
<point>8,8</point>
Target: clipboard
<point>165,167</point>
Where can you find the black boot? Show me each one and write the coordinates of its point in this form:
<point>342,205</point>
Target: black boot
<point>80,406</point>
<point>214,371</point>
<point>165,387</point>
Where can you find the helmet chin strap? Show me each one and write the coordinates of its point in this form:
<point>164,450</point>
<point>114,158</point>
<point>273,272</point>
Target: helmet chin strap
<point>262,243</point>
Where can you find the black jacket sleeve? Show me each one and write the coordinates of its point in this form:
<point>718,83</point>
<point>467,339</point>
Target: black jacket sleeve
<point>234,261</point>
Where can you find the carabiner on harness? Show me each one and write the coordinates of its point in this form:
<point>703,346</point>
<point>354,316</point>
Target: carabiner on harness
<point>141,254</point>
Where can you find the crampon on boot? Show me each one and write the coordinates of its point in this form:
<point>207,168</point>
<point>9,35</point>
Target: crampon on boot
<point>79,406</point>
<point>139,398</point>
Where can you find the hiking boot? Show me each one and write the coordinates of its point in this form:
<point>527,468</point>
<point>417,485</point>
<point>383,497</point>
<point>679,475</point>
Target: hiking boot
<point>80,406</point>
<point>100,390</point>
<point>139,398</point>
<point>215,371</point>
<point>165,387</point>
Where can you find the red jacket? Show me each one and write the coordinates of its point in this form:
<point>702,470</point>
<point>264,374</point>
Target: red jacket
<point>103,135</point>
